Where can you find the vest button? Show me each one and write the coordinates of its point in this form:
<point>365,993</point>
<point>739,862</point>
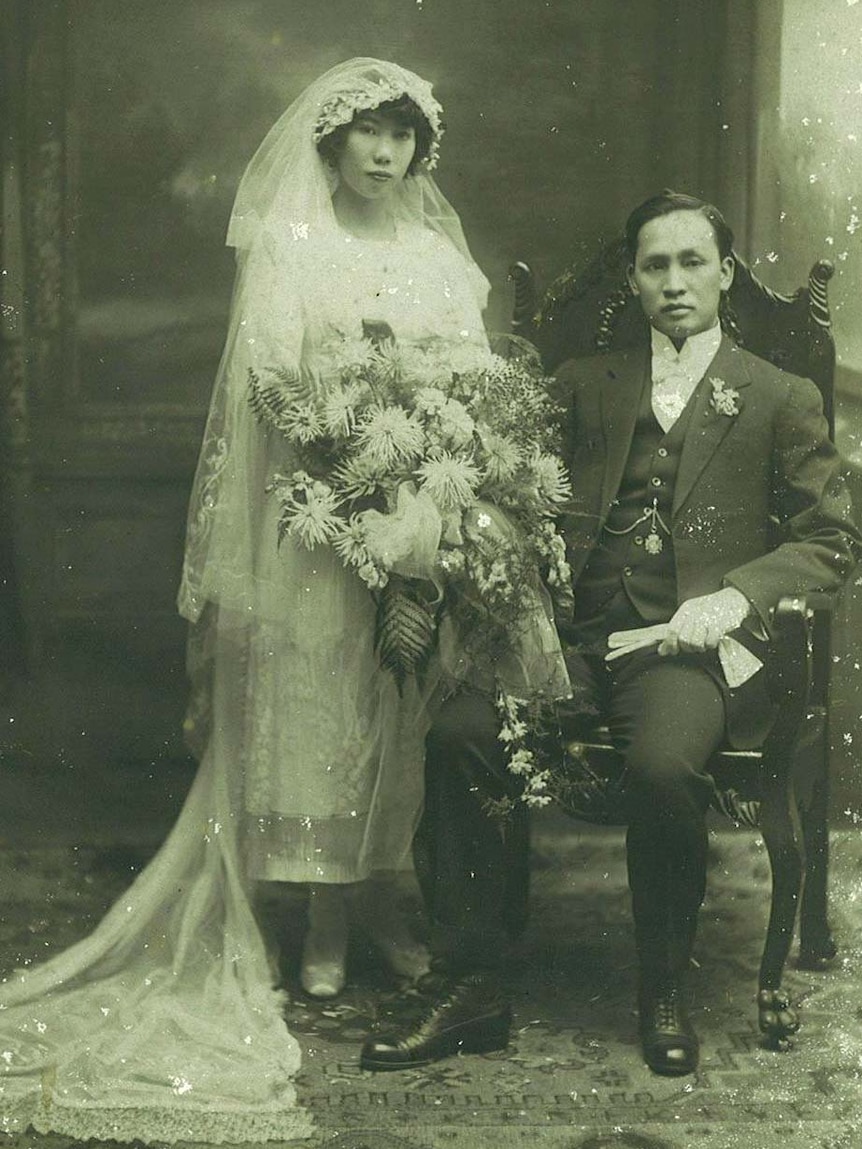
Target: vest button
<point>656,481</point>
<point>638,540</point>
<point>627,571</point>
<point>662,451</point>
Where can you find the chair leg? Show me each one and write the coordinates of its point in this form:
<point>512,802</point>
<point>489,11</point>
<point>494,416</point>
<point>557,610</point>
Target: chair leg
<point>817,946</point>
<point>779,826</point>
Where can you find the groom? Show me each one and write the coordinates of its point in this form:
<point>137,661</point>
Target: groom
<point>706,489</point>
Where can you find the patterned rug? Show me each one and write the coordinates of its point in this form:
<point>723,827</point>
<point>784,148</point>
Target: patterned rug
<point>573,1077</point>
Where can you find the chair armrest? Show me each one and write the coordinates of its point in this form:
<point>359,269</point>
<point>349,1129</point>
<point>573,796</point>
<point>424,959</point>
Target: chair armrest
<point>792,654</point>
<point>820,609</point>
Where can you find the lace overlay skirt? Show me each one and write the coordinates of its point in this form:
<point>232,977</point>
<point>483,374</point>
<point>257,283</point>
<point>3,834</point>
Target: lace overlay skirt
<point>334,756</point>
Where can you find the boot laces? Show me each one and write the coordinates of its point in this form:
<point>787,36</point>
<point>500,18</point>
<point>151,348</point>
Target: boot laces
<point>667,1010</point>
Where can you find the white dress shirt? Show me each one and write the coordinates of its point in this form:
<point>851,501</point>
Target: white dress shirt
<point>675,374</point>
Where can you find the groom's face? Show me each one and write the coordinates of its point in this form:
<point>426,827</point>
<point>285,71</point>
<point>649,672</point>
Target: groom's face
<point>679,274</point>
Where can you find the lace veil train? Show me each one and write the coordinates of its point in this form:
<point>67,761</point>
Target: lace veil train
<point>163,1024</point>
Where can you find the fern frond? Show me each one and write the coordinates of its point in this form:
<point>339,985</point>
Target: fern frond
<point>405,629</point>
<point>298,389</point>
<point>270,404</point>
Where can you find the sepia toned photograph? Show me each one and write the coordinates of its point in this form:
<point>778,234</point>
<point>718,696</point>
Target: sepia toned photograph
<point>430,584</point>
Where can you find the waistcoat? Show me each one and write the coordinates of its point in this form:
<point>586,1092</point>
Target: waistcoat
<point>634,555</point>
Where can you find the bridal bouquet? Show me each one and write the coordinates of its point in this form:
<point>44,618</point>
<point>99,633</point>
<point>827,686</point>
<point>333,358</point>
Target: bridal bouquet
<point>432,472</point>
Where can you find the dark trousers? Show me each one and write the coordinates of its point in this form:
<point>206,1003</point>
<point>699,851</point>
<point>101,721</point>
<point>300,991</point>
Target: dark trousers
<point>472,868</point>
<point>667,716</point>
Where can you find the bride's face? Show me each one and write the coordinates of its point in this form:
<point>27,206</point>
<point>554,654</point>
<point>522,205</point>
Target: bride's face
<point>376,155</point>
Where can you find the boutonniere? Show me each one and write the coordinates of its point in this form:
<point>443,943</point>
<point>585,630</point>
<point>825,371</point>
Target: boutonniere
<point>724,399</point>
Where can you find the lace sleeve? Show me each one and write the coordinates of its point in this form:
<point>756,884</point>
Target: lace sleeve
<point>272,322</point>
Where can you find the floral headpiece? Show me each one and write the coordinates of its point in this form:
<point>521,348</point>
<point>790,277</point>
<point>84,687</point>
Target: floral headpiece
<point>366,94</point>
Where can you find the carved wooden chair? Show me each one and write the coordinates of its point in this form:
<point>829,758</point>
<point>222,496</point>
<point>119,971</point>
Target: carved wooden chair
<point>782,788</point>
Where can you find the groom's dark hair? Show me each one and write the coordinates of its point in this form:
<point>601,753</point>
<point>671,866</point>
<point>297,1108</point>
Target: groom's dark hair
<point>669,201</point>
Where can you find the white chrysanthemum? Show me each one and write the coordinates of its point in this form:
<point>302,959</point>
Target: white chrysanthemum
<point>312,522</point>
<point>391,361</point>
<point>451,482</point>
<point>302,423</point>
<point>503,457</point>
<point>360,477</point>
<point>388,436</point>
<point>426,366</point>
<point>430,400</point>
<point>339,410</point>
<point>383,372</point>
<point>350,356</point>
<point>467,357</point>
<point>550,477</point>
<point>350,543</point>
<point>456,424</point>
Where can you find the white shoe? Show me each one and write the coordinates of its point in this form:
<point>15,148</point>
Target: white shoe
<point>322,978</point>
<point>323,970</point>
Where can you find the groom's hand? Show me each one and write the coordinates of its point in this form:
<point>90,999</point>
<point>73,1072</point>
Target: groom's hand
<point>701,623</point>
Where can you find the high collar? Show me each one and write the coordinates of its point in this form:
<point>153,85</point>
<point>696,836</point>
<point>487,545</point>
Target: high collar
<point>692,359</point>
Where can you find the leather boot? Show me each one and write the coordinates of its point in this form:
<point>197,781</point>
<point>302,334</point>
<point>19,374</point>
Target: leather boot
<point>470,1015</point>
<point>670,1045</point>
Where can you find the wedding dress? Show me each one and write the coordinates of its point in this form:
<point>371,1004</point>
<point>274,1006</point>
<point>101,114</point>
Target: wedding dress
<point>334,753</point>
<point>163,1024</point>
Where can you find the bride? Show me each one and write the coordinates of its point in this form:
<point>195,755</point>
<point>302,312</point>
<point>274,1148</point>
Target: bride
<point>163,1024</point>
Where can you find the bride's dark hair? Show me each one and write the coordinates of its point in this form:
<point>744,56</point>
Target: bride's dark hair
<point>404,111</point>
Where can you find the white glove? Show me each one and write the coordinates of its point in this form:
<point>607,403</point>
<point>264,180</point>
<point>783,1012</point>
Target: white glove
<point>700,623</point>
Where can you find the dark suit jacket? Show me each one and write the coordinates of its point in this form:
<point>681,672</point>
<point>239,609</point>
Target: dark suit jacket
<point>760,501</point>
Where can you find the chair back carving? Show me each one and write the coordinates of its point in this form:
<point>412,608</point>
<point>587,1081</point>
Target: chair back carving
<point>590,310</point>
